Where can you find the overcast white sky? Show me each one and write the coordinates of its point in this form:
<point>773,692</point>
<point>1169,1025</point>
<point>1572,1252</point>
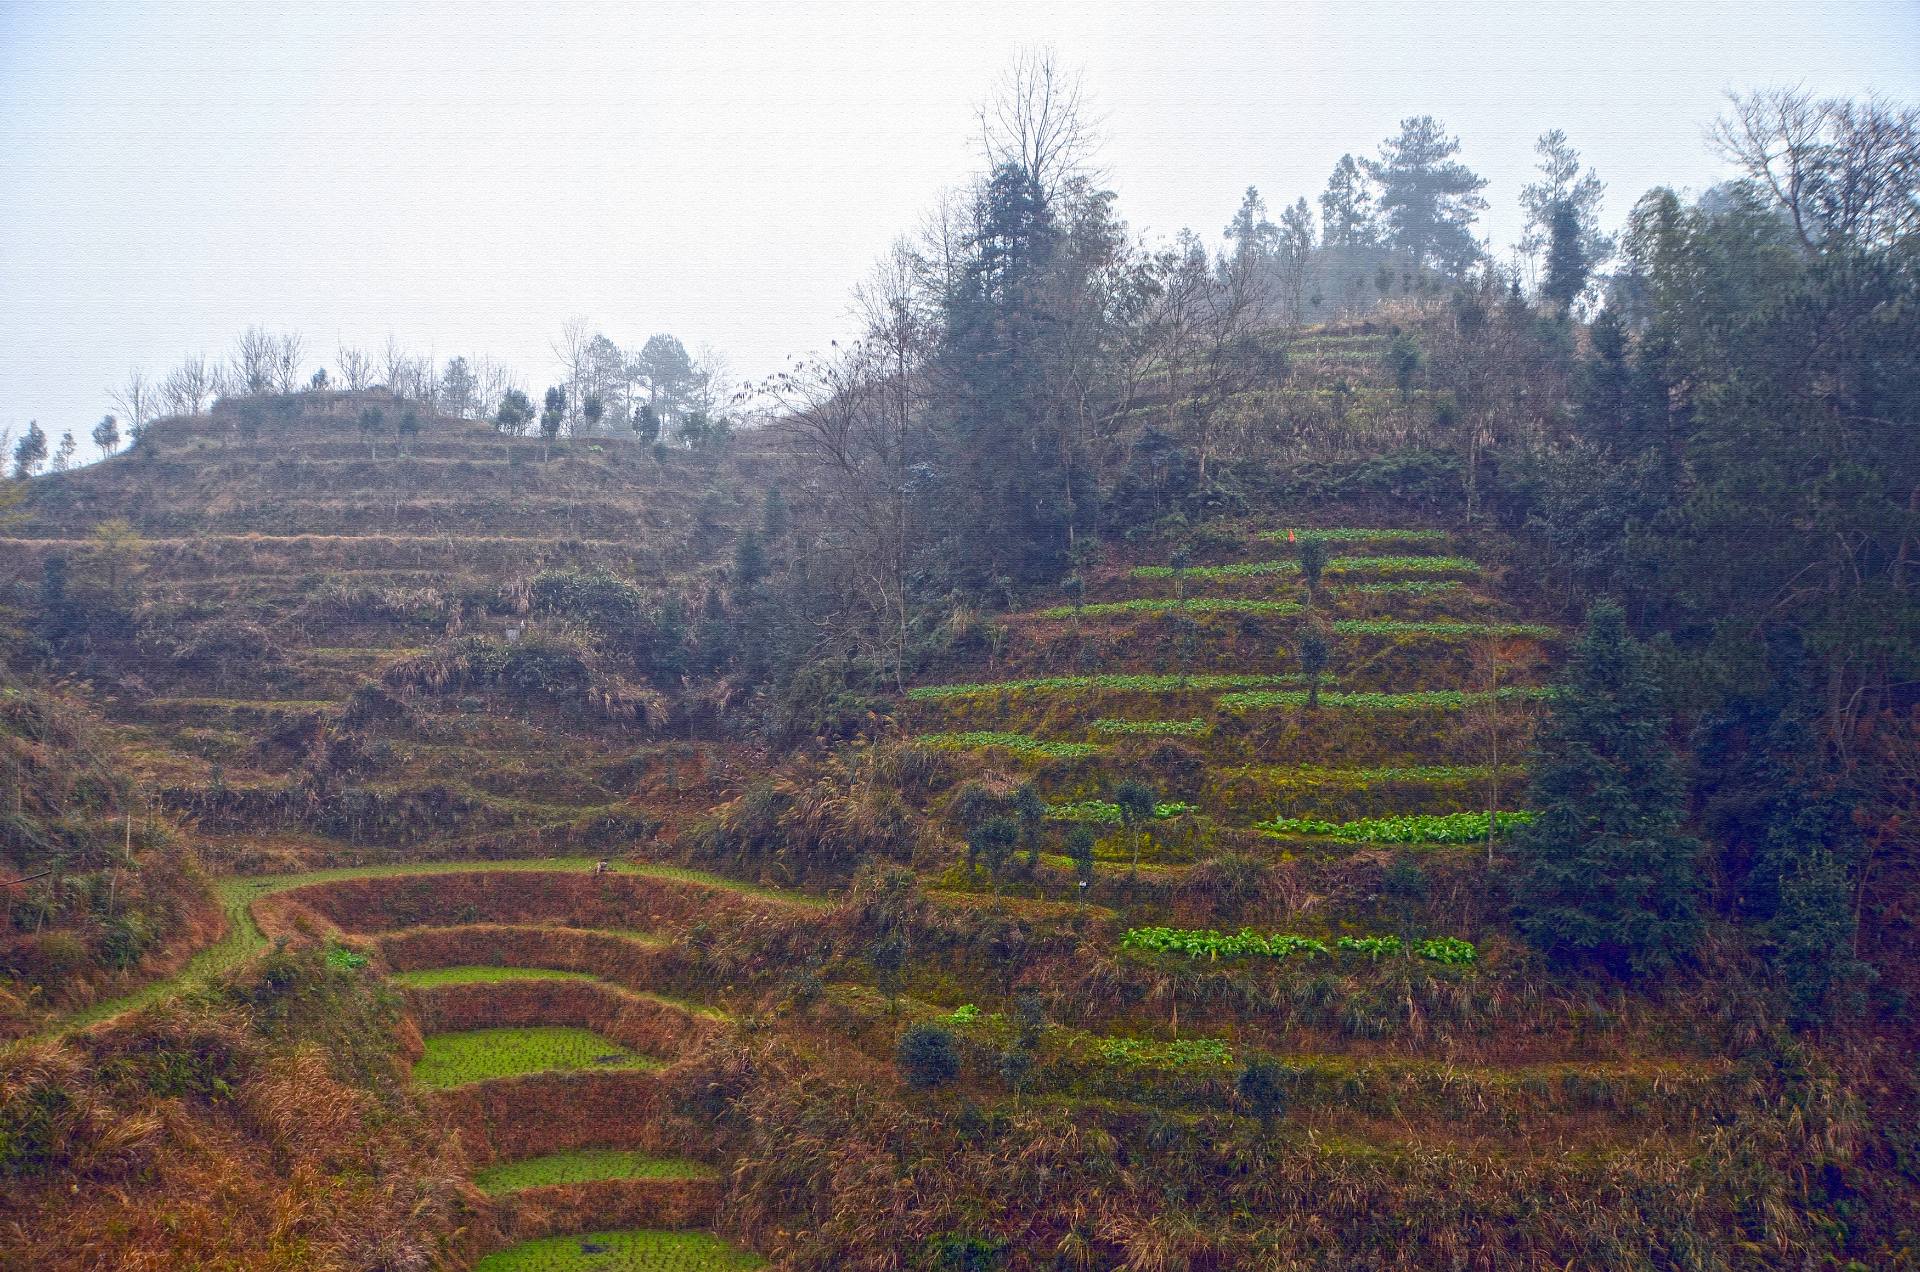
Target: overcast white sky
<point>467,177</point>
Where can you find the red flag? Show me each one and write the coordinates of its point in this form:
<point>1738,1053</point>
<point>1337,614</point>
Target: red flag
<point>1289,536</point>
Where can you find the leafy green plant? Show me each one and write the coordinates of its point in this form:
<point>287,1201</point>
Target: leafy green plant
<point>1394,627</point>
<point>964,1014</point>
<point>1018,743</point>
<point>1400,587</point>
<point>1176,1053</point>
<point>1119,682</point>
<point>1447,949</point>
<point>1419,700</point>
<point>1155,728</point>
<point>1374,947</point>
<point>1408,828</point>
<point>1175,605</point>
<point>1338,565</point>
<point>1247,943</point>
<point>1354,534</point>
<point>1106,813</point>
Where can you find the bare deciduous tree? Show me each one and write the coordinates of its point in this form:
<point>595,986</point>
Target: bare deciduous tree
<point>256,357</point>
<point>571,349</point>
<point>833,416</point>
<point>1038,121</point>
<point>137,401</point>
<point>356,368</point>
<point>1845,172</point>
<point>188,386</point>
<point>289,352</point>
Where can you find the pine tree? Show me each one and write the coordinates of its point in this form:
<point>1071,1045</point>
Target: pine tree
<point>1605,874</point>
<point>1428,199</point>
<point>1567,265</point>
<point>30,451</point>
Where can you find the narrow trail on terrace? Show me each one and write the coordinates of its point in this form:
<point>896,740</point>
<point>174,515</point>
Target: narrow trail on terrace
<point>237,893</point>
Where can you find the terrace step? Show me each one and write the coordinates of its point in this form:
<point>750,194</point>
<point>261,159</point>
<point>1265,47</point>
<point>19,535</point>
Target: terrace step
<point>480,1055</point>
<point>585,1166</point>
<point>623,1250</point>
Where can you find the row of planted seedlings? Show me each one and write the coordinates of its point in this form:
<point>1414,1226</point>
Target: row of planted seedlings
<point>549,1006</point>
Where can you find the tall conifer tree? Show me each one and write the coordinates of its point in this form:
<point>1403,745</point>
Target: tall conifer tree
<point>1606,873</point>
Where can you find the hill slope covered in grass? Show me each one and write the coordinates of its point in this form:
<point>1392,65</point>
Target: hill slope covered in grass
<point>532,869</point>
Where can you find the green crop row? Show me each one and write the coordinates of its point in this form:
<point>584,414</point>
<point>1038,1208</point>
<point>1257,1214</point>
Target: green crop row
<point>582,1166</point>
<point>1339,565</point>
<point>1018,743</point>
<point>630,1250</point>
<point>432,977</point>
<point>1395,627</point>
<point>1175,1053</point>
<point>1108,814</point>
<point>1156,728</point>
<point>1411,828</point>
<point>1209,944</point>
<point>1364,777</point>
<point>455,1059</point>
<point>1401,587</point>
<point>1355,534</point>
<point>1119,682</point>
<point>1420,700</point>
<point>1170,605</point>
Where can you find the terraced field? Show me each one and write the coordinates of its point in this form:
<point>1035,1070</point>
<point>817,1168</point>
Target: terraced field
<point>1457,678</point>
<point>1405,760</point>
<point>506,1044</point>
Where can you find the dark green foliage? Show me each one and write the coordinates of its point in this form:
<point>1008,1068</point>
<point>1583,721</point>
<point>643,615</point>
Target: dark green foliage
<point>592,410</point>
<point>646,425</point>
<point>372,420</point>
<point>1315,651</point>
<point>1262,1088</point>
<point>30,451</point>
<point>1403,355</point>
<point>775,517</point>
<point>1428,200</point>
<point>514,414</point>
<point>1567,263</point>
<point>928,1057</point>
<point>964,1252</point>
<point>1810,939</point>
<point>749,560</point>
<point>1605,874</point>
<point>553,414</point>
<point>1781,812</point>
<point>1029,811</point>
<point>992,842</point>
<point>1136,800</point>
<point>1080,843</point>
